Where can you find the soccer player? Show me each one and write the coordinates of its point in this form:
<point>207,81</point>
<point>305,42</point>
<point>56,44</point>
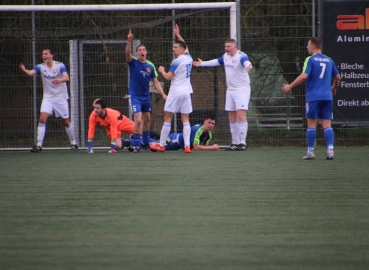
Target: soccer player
<point>114,123</point>
<point>179,97</point>
<point>317,72</point>
<point>200,138</point>
<point>237,67</point>
<point>141,72</point>
<point>54,76</point>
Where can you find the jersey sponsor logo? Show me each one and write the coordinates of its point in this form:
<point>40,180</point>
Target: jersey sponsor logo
<point>144,74</point>
<point>353,22</point>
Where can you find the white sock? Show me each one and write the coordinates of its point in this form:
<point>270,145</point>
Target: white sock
<point>41,129</point>
<point>165,133</point>
<point>235,132</point>
<point>186,133</point>
<point>70,132</point>
<point>242,127</point>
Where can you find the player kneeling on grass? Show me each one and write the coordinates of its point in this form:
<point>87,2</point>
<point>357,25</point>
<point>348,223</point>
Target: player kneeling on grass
<point>199,139</point>
<point>114,123</point>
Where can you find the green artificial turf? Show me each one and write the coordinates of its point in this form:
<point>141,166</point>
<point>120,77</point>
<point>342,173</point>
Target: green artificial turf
<point>265,208</point>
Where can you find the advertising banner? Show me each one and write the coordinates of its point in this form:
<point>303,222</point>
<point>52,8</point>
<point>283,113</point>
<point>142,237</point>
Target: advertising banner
<point>344,29</point>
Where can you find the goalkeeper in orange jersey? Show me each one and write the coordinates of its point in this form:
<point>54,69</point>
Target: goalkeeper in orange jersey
<point>114,123</point>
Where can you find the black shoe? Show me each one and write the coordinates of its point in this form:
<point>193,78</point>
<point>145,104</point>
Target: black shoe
<point>242,147</point>
<point>126,144</point>
<point>145,146</point>
<point>136,150</point>
<point>169,142</point>
<point>36,149</point>
<point>74,147</point>
<point>233,147</point>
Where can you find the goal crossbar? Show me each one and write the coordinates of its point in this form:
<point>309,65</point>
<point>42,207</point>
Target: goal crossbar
<point>130,7</point>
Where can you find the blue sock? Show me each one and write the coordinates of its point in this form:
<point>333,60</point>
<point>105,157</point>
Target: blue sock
<point>329,136</point>
<point>146,137</point>
<point>137,140</point>
<point>311,136</point>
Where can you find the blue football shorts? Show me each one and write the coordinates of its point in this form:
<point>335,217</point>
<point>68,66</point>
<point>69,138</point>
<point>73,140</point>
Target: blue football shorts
<point>140,104</point>
<point>319,109</point>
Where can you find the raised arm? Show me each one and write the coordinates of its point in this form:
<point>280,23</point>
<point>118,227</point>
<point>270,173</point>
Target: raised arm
<point>178,35</point>
<point>28,72</point>
<point>129,46</point>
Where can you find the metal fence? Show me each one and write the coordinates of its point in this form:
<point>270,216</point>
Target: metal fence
<point>274,35</point>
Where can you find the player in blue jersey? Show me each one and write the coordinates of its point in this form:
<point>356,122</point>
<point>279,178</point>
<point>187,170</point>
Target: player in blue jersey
<point>141,72</point>
<point>237,67</point>
<point>179,97</point>
<point>54,76</point>
<point>317,72</point>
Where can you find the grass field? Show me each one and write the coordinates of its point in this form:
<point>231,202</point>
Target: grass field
<point>265,208</point>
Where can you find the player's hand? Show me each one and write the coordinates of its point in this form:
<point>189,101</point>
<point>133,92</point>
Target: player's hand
<point>197,63</point>
<point>22,66</point>
<point>161,69</point>
<point>176,30</point>
<point>56,80</point>
<point>164,96</point>
<point>334,91</point>
<point>248,68</point>
<point>286,88</point>
<point>130,35</point>
<point>215,147</point>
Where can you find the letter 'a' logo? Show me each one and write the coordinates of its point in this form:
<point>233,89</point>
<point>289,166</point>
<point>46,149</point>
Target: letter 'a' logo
<point>353,22</point>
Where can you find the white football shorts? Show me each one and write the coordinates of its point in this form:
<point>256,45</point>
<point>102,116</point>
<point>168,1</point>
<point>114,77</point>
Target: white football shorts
<point>182,104</point>
<point>59,107</point>
<point>237,100</point>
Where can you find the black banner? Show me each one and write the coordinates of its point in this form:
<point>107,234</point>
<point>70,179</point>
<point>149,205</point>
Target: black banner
<point>344,29</point>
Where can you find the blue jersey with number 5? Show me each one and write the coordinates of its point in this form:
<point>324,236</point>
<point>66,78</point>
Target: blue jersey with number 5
<point>181,82</point>
<point>320,69</point>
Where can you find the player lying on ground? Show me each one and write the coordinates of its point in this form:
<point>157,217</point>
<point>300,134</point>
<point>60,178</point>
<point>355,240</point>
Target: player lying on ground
<point>200,137</point>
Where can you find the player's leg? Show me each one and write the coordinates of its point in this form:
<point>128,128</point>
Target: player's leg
<point>146,114</point>
<point>61,109</point>
<point>137,118</point>
<point>326,116</point>
<point>241,99</point>
<point>230,106</point>
<point>45,111</point>
<point>171,106</point>
<point>312,112</point>
<point>185,110</point>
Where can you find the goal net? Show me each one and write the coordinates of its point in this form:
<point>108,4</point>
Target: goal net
<point>91,41</point>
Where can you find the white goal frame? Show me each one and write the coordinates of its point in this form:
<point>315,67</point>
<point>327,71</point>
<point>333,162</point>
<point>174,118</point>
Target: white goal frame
<point>234,15</point>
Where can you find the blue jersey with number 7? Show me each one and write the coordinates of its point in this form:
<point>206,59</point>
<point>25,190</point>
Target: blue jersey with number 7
<point>320,69</point>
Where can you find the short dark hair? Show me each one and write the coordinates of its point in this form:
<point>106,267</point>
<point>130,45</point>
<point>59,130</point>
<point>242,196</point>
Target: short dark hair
<point>181,44</point>
<point>101,102</point>
<point>50,50</point>
<point>231,40</point>
<point>210,116</point>
<point>316,41</point>
<point>140,45</point>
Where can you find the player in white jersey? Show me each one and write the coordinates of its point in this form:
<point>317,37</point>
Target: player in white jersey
<point>55,96</point>
<point>179,97</point>
<point>237,66</point>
